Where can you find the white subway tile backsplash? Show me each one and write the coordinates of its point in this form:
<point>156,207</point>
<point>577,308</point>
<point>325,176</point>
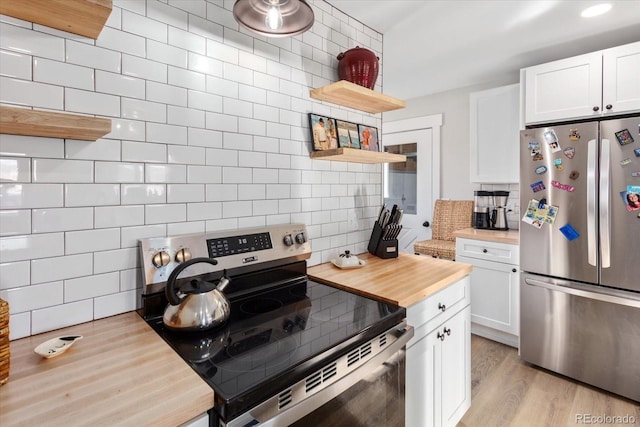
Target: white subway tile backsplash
<point>185,117</point>
<point>166,54</point>
<point>119,172</point>
<point>16,222</point>
<point>186,78</point>
<point>120,41</point>
<point>219,157</point>
<point>92,56</point>
<point>33,297</point>
<point>62,171</point>
<point>141,194</point>
<point>205,64</point>
<point>252,94</point>
<point>266,113</point>
<point>187,41</point>
<point>251,159</point>
<point>233,175</point>
<point>91,194</point>
<point>144,152</point>
<point>91,286</point>
<point>130,279</point>
<point>59,268</point>
<point>204,101</point>
<point>110,305</point>
<point>15,64</point>
<point>137,109</point>
<point>166,94</point>
<point>22,92</point>
<point>204,138</point>
<point>26,196</point>
<point>221,51</point>
<point>61,219</point>
<point>278,161</point>
<point>117,84</point>
<point>186,228</point>
<point>197,7</point>
<point>235,141</point>
<point>116,260</point>
<point>186,155</point>
<point>278,130</point>
<point>166,173</point>
<point>143,26</point>
<point>15,274</point>
<point>91,103</point>
<point>204,174</point>
<point>221,192</point>
<point>236,209</point>
<point>29,42</point>
<point>20,325</point>
<point>118,216</point>
<point>130,235</point>
<point>158,214</point>
<point>78,242</point>
<point>266,81</point>
<point>15,169</point>
<point>221,86</point>
<point>204,211</point>
<point>102,149</point>
<point>62,74</point>
<point>251,191</point>
<point>267,176</point>
<point>265,207</point>
<point>127,129</point>
<point>168,14</point>
<point>144,68</point>
<point>31,146</point>
<point>183,193</point>
<point>278,191</point>
<point>221,122</point>
<point>60,316</point>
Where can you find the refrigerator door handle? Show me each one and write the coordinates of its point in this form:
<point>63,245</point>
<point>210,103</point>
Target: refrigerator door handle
<point>605,190</point>
<point>591,202</point>
<point>577,291</point>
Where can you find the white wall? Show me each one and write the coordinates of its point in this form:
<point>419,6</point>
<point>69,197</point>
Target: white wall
<point>210,132</point>
<point>454,105</point>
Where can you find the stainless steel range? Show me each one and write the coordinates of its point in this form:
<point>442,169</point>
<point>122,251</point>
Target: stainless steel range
<point>293,351</point>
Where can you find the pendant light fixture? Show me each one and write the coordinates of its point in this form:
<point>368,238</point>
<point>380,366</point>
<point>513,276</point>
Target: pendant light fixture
<point>274,18</point>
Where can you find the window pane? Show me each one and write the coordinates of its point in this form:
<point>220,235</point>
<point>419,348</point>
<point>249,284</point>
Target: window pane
<point>401,179</point>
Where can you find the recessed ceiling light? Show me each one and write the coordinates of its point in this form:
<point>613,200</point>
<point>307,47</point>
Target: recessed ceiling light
<point>596,10</point>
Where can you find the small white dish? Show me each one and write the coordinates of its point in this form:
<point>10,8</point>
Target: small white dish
<point>56,346</point>
<point>361,263</point>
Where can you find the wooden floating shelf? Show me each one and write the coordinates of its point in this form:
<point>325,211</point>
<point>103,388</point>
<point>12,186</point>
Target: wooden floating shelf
<point>21,121</point>
<point>361,98</point>
<point>83,17</point>
<point>357,156</point>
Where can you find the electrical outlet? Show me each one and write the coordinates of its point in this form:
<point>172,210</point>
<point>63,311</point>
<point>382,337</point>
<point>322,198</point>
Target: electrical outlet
<point>352,220</point>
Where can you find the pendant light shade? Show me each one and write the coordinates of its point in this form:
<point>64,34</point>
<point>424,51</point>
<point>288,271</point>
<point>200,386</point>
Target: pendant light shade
<point>274,18</point>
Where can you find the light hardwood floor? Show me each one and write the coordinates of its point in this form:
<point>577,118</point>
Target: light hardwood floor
<point>505,391</point>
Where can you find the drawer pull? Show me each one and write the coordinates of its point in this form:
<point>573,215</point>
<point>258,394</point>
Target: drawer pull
<point>484,251</point>
<point>514,270</point>
<point>447,331</point>
<point>441,307</point>
<point>440,336</point>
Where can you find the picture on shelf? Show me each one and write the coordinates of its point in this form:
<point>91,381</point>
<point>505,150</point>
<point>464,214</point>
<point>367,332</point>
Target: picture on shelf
<point>368,138</point>
<point>348,134</point>
<point>323,132</point>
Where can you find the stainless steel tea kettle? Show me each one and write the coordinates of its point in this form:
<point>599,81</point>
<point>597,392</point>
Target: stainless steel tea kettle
<point>199,305</point>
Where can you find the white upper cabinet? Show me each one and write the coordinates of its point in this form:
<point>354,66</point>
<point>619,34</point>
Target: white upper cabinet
<point>586,86</point>
<point>495,135</point>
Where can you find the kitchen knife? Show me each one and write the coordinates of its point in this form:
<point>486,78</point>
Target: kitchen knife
<point>400,213</point>
<point>394,210</point>
<point>382,209</point>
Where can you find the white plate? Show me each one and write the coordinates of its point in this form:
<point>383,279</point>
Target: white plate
<point>361,263</point>
<point>56,346</point>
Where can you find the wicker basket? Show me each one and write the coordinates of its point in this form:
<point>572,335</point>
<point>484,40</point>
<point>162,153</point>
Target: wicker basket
<point>4,342</point>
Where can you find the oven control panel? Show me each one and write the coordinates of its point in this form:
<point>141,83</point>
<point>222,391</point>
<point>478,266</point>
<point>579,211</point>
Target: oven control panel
<point>232,249</point>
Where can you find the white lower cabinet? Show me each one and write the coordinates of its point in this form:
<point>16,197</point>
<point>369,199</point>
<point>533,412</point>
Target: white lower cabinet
<point>438,383</point>
<point>495,288</point>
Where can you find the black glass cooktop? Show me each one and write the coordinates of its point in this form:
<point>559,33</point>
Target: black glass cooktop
<point>276,337</point>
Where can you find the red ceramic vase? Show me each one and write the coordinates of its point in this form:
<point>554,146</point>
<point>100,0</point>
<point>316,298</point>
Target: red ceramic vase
<point>359,66</point>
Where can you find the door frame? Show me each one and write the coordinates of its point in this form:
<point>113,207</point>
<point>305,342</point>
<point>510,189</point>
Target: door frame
<point>433,122</point>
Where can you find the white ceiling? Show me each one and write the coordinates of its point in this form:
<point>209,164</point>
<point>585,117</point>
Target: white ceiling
<point>431,46</point>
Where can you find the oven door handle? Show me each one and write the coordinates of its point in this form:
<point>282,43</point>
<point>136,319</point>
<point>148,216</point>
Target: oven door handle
<point>313,402</point>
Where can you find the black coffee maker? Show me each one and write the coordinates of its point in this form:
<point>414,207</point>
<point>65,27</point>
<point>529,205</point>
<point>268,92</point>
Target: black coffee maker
<point>483,201</point>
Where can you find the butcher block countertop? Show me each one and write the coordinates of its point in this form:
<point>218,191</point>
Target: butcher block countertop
<point>402,281</point>
<point>500,236</point>
<point>120,374</point>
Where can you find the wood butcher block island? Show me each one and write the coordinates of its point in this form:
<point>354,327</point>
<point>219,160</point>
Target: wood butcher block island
<point>120,374</point>
<point>403,281</point>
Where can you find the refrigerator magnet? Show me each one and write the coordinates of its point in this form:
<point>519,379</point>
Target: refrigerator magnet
<point>574,175</point>
<point>633,197</point>
<point>625,162</point>
<point>637,152</point>
<point>569,152</point>
<point>530,212</point>
<point>569,232</point>
<point>540,170</point>
<point>558,163</point>
<point>552,212</point>
<point>538,186</point>
<point>636,174</point>
<point>624,137</point>
<point>574,135</point>
<point>564,187</point>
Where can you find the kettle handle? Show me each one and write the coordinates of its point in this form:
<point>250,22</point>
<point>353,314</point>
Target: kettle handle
<point>170,288</point>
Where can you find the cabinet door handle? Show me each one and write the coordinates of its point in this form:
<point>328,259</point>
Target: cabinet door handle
<point>440,336</point>
<point>609,107</point>
<point>441,307</point>
<point>447,331</point>
<point>514,270</point>
<point>484,251</point>
<point>596,108</point>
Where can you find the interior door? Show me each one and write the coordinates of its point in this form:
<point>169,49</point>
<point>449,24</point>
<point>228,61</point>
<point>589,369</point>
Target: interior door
<point>410,184</point>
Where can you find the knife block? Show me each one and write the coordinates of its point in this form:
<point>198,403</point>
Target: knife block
<point>382,248</point>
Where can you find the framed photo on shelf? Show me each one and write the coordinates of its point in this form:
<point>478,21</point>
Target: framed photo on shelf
<point>368,138</point>
<point>348,135</point>
<point>323,132</point>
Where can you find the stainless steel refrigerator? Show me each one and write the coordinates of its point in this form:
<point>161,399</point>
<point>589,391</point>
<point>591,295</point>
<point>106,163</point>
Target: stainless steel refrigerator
<point>580,251</point>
